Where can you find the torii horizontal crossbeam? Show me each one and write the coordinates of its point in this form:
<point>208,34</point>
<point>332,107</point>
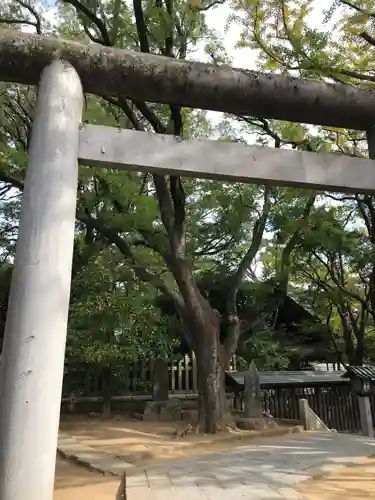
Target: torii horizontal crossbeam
<point>109,71</point>
<point>164,154</point>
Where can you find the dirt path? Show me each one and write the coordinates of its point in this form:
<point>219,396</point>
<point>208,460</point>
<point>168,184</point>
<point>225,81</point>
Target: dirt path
<point>73,482</point>
<point>146,443</point>
<point>352,483</point>
<point>133,441</point>
<point>143,443</point>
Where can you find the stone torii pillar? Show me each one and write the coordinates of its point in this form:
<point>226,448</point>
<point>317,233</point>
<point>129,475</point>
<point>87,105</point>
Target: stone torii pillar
<point>32,362</point>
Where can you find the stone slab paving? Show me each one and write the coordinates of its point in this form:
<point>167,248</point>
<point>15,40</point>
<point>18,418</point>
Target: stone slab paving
<point>266,471</point>
<point>97,460</point>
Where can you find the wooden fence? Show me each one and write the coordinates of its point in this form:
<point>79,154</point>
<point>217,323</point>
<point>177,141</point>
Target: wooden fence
<point>85,379</point>
<point>334,404</point>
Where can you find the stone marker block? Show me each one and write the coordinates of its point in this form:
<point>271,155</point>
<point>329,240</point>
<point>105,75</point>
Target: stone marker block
<point>160,382</point>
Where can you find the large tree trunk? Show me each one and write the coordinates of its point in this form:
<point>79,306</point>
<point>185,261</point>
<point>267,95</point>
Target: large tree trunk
<point>372,289</point>
<point>211,366</point>
<point>348,341</point>
<point>201,327</point>
<point>211,386</point>
<point>107,391</point>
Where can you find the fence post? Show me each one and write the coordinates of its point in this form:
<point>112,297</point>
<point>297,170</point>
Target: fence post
<point>195,371</point>
<point>365,416</point>
<point>303,408</point>
<point>187,371</point>
<point>32,363</point>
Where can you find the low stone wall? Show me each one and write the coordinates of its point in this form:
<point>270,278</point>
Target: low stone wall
<point>86,407</point>
<point>126,404</point>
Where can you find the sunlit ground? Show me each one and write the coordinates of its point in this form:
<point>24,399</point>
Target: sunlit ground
<point>350,483</point>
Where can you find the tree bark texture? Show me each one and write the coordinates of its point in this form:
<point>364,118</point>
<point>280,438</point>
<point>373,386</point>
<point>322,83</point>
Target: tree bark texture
<point>107,390</point>
<point>212,360</point>
<point>109,71</point>
<point>211,385</point>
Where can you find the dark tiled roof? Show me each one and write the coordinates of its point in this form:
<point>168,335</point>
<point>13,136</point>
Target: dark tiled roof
<point>366,372</point>
<point>274,378</point>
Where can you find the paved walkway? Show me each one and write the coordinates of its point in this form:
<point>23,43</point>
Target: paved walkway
<point>259,472</point>
<point>70,448</point>
<point>266,471</point>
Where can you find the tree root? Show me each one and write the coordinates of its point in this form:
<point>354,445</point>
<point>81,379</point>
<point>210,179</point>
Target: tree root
<point>121,490</point>
<point>227,425</point>
<point>182,431</point>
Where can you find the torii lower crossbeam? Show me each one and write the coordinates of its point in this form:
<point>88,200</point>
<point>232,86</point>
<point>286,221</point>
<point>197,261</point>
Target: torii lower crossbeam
<point>221,160</point>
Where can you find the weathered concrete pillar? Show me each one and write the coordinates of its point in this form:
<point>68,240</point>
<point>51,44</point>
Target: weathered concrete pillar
<point>32,362</point>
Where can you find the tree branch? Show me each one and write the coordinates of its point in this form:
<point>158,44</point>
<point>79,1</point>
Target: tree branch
<point>140,271</point>
<point>124,106</point>
<point>345,291</point>
<point>178,198</point>
<point>163,196</point>
<point>96,21</point>
<point>169,35</point>
<point>37,23</point>
<point>357,8</point>
<point>34,13</point>
<point>91,249</point>
<point>211,248</point>
<point>365,217</point>
<point>214,3</point>
<point>151,117</point>
<point>368,38</point>
<point>356,75</point>
<point>18,21</point>
<point>333,338</point>
<point>16,183</point>
<point>141,26</point>
<point>233,327</point>
<point>176,188</point>
<point>256,240</point>
<point>284,271</point>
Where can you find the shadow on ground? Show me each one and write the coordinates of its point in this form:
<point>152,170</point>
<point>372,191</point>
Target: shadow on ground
<point>138,442</point>
<point>270,469</point>
<point>354,483</point>
<point>302,455</point>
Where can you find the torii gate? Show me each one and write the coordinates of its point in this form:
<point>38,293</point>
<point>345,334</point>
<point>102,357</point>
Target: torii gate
<point>33,352</point>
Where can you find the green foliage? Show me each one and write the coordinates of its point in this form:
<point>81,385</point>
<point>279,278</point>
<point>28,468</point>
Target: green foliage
<point>321,248</point>
<point>112,315</point>
<point>330,256</point>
